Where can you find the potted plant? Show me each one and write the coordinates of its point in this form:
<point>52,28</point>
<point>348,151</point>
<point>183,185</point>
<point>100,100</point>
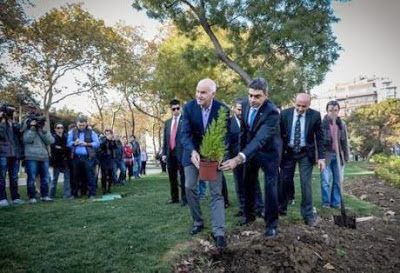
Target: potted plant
<point>213,148</point>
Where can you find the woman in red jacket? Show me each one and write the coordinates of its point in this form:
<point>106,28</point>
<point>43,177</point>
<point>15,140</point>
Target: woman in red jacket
<point>128,156</point>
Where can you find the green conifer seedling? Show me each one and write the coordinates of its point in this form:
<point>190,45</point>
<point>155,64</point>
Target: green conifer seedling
<point>213,146</point>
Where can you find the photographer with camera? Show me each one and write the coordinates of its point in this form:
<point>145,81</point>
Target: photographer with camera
<point>36,139</point>
<point>10,154</point>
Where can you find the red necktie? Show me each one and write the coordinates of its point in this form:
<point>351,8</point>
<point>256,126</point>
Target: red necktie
<point>172,142</point>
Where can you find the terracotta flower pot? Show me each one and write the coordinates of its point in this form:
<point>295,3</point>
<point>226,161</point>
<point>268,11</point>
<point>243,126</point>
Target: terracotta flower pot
<point>208,170</point>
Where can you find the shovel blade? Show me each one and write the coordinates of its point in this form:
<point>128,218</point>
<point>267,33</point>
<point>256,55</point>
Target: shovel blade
<point>345,221</point>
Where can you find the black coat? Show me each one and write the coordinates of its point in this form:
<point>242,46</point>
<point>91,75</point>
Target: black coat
<point>10,140</point>
<point>167,135</point>
<point>107,153</point>
<point>59,151</point>
<point>234,136</point>
<point>263,136</point>
<point>313,130</point>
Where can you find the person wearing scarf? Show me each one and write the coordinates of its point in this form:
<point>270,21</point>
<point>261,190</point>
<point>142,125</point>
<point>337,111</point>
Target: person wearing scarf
<point>335,137</point>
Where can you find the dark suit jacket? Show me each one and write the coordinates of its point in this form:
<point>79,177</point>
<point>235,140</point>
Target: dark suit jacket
<point>234,135</point>
<point>192,132</point>
<point>167,135</point>
<point>264,136</point>
<point>313,130</point>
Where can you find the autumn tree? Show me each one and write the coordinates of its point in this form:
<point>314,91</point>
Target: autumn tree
<point>132,69</point>
<point>375,127</point>
<point>63,41</point>
<point>12,20</point>
<point>290,42</point>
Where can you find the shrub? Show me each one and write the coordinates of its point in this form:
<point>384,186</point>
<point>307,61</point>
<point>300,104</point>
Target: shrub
<point>386,174</point>
<point>379,158</point>
<point>213,146</point>
<point>388,169</point>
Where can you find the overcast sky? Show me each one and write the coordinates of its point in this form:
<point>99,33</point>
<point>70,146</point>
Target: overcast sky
<point>368,32</point>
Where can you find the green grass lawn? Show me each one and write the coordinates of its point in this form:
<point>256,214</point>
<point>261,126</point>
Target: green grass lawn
<point>138,233</point>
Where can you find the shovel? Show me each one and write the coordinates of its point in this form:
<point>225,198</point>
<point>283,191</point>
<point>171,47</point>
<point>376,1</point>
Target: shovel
<point>342,220</point>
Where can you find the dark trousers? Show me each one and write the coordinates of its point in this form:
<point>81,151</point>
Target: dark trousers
<point>269,164</point>
<point>143,168</point>
<point>240,191</point>
<point>107,175</point>
<point>83,170</point>
<point>225,190</point>
<point>174,166</point>
<point>10,165</point>
<point>288,167</point>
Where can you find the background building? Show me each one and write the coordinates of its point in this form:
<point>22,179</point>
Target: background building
<point>361,91</point>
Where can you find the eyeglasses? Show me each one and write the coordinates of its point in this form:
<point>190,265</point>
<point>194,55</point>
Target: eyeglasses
<point>59,127</point>
<point>175,108</point>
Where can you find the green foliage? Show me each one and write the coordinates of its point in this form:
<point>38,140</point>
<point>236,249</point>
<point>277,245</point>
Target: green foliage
<point>213,146</point>
<point>289,42</point>
<point>375,127</point>
<point>388,168</point>
<point>188,61</point>
<point>379,158</point>
<point>387,174</point>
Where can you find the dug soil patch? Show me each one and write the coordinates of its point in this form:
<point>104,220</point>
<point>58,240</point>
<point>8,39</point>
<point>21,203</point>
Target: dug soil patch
<point>373,247</point>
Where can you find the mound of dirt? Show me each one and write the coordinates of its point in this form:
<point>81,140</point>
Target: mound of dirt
<point>373,247</point>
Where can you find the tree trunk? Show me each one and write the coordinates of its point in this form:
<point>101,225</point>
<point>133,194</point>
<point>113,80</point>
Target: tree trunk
<point>378,141</point>
<point>126,129</point>
<point>371,152</point>
<point>132,114</point>
<point>154,138</point>
<point>218,48</point>
<point>160,144</point>
<point>46,114</point>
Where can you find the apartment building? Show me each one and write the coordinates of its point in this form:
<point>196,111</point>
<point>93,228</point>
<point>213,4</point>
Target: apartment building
<point>361,91</point>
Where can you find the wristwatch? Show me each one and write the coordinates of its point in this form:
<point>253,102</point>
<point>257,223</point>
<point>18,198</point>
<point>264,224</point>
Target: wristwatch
<point>239,159</point>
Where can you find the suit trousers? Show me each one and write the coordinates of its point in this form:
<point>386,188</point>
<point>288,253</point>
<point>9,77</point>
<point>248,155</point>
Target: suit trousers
<point>270,167</point>
<point>288,167</point>
<point>217,200</point>
<point>240,191</point>
<point>175,167</point>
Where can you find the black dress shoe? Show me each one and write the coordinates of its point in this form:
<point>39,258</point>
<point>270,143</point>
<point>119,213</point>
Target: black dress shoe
<point>172,202</point>
<point>246,221</point>
<point>270,233</point>
<point>220,242</point>
<point>227,205</point>
<point>196,229</point>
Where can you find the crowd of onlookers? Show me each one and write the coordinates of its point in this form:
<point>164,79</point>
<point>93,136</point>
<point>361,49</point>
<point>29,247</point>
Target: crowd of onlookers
<point>79,153</point>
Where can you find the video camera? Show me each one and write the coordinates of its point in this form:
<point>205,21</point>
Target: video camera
<point>8,110</point>
<point>40,120</point>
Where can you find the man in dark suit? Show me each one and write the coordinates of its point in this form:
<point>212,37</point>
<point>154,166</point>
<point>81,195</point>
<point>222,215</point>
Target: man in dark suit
<point>172,153</point>
<point>197,116</point>
<point>302,136</point>
<point>259,148</point>
<point>234,136</point>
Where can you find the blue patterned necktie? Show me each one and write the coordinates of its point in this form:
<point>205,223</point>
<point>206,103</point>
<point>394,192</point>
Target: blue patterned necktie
<point>297,135</point>
<point>252,116</point>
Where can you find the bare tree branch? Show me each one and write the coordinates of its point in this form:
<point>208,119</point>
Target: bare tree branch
<point>144,112</point>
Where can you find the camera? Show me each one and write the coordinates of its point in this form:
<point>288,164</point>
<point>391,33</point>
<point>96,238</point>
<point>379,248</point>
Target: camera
<point>8,110</point>
<point>40,120</point>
